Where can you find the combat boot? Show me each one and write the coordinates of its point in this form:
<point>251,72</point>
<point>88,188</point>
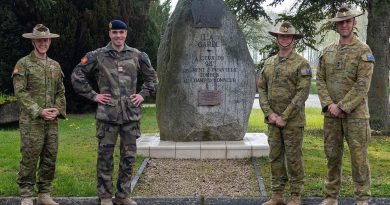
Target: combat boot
<point>294,200</point>
<point>125,201</point>
<point>106,201</point>
<point>276,199</point>
<point>27,201</point>
<point>45,199</point>
<point>329,201</point>
<point>364,202</point>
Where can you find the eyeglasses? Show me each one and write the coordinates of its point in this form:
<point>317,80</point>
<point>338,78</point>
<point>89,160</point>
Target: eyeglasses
<point>117,31</point>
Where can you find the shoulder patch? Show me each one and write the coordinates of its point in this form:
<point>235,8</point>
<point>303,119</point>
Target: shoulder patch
<point>84,60</point>
<point>369,58</point>
<point>306,71</point>
<point>16,69</point>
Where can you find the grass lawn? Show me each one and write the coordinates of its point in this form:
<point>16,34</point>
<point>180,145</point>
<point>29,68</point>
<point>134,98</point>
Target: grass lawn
<point>315,161</point>
<point>75,171</point>
<point>75,174</point>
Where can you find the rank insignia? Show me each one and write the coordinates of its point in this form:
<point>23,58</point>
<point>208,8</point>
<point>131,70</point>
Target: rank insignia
<point>285,29</point>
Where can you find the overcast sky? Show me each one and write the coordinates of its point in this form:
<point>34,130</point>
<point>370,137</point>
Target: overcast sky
<point>283,7</point>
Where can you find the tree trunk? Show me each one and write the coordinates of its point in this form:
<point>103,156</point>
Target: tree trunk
<point>378,33</point>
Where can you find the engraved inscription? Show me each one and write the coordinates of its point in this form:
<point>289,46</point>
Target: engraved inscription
<point>210,62</point>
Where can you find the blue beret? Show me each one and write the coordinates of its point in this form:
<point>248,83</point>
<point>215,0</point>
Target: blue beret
<point>117,24</point>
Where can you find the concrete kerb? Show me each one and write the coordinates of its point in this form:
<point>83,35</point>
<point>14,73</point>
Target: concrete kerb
<point>260,180</point>
<point>192,200</point>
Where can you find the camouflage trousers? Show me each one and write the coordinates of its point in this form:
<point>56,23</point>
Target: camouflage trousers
<point>357,134</point>
<point>286,150</point>
<point>39,142</point>
<point>107,135</point>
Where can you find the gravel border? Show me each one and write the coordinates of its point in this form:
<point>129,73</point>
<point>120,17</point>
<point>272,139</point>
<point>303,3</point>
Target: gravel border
<point>182,177</point>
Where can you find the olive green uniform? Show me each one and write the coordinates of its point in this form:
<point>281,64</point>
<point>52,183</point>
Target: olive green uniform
<point>344,77</point>
<point>38,85</point>
<point>116,74</point>
<point>283,89</point>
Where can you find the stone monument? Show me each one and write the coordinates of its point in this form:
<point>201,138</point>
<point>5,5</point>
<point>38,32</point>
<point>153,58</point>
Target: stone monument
<point>206,75</point>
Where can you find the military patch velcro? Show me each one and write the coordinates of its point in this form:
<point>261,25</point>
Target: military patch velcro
<point>306,71</point>
<point>84,60</point>
<point>369,58</point>
<point>16,69</point>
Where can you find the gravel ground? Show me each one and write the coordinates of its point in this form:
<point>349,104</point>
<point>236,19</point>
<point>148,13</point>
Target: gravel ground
<point>173,177</point>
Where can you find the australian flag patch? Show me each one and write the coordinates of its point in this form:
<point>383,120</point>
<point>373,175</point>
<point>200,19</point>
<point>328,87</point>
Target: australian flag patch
<point>370,58</point>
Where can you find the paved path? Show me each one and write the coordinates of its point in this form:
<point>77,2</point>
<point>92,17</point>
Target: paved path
<point>312,101</point>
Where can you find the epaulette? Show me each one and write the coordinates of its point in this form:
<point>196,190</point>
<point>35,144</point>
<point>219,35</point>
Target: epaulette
<point>145,59</point>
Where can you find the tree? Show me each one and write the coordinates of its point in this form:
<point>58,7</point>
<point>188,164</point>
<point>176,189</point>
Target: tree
<point>9,42</point>
<point>310,12</point>
<point>157,20</point>
<point>83,26</point>
<point>378,33</point>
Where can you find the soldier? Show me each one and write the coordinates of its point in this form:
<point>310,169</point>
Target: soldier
<point>115,67</point>
<point>283,89</point>
<point>343,80</point>
<point>41,96</point>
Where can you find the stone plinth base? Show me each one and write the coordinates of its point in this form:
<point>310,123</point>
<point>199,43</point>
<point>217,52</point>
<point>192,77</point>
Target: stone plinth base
<point>253,145</point>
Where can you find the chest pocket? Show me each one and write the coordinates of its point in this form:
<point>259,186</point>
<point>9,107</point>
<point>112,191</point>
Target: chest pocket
<point>351,66</point>
<point>128,67</point>
<point>267,72</point>
<point>288,74</point>
<point>331,62</point>
<point>36,77</point>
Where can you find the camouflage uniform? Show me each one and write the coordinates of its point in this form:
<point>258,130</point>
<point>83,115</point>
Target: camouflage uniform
<point>116,74</point>
<point>38,85</point>
<point>283,89</point>
<point>343,78</point>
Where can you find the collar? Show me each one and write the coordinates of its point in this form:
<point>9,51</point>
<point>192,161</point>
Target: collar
<point>125,48</point>
<point>280,59</point>
<point>353,42</point>
<point>34,58</point>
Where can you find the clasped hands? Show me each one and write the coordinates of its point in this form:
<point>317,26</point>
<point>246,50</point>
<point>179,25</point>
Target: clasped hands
<point>335,111</point>
<point>104,99</point>
<point>49,114</point>
<point>276,119</point>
